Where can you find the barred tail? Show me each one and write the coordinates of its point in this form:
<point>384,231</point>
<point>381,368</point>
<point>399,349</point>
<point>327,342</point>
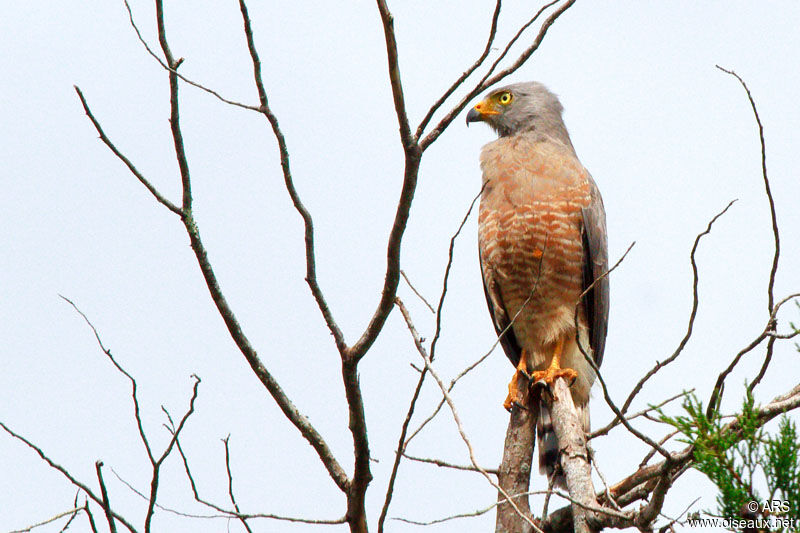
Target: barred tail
<point>548,443</point>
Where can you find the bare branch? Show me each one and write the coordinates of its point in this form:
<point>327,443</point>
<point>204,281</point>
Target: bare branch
<point>89,516</point>
<point>615,422</point>
<point>514,40</point>
<point>421,349</point>
<point>174,119</point>
<point>72,512</point>
<point>409,142</point>
<point>103,137</point>
<point>652,451</point>
<point>574,456</point>
<point>175,71</point>
<point>775,233</point>
<point>402,442</point>
<point>716,393</point>
<point>620,416</point>
<point>311,269</point>
<point>473,514</point>
<point>134,387</point>
<point>445,464</point>
<point>619,516</point>
<point>415,291</point>
<point>692,315</point>
<point>466,74</point>
<point>451,115</point>
<point>514,474</point>
<point>157,464</point>
<point>104,492</point>
<point>642,483</point>
<point>230,482</point>
<point>66,474</point>
<point>75,514</point>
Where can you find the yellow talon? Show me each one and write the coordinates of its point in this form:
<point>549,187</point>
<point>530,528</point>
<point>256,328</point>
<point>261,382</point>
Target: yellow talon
<point>515,394</point>
<point>554,371</point>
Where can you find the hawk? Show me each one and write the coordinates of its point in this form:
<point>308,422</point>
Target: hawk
<point>542,242</point>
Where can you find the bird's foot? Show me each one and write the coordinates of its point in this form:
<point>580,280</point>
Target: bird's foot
<point>515,391</point>
<point>549,376</point>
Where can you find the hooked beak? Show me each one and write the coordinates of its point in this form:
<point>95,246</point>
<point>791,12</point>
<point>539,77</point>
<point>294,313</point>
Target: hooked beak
<point>482,111</point>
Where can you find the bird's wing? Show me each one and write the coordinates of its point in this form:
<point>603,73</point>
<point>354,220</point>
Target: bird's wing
<point>500,318</point>
<point>595,264</point>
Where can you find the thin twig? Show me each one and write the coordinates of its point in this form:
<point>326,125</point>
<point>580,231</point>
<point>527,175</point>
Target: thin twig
<point>89,516</point>
<point>692,315</point>
<point>75,514</point>
<point>775,232</point>
<point>230,482</point>
<point>773,217</point>
<point>514,39</point>
<point>402,441</point>
<point>156,463</point>
<point>445,464</point>
<point>311,270</point>
<point>614,423</point>
<point>230,514</point>
<point>480,87</point>
<point>610,512</point>
<point>174,70</point>
<point>111,146</point>
<point>718,390</point>
<point>155,479</point>
<point>66,474</point>
<point>652,451</point>
<point>423,353</point>
<point>134,387</point>
<point>387,21</point>
<point>104,492</point>
<point>466,74</point>
<point>72,512</point>
<point>415,291</point>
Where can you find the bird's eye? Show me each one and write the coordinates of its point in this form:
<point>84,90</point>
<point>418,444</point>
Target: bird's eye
<point>505,98</point>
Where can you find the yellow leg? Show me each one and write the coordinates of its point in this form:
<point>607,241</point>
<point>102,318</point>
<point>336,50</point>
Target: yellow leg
<point>514,392</point>
<point>554,371</point>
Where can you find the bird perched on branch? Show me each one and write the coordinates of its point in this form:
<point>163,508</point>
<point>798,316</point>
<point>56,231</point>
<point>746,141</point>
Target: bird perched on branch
<point>542,241</point>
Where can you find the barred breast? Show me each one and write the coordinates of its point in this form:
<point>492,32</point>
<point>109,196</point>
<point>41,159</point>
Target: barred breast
<point>529,235</point>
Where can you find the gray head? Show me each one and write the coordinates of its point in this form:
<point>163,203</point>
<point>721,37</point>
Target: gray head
<point>521,108</point>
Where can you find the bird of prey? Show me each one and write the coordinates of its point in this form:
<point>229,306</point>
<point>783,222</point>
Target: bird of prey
<point>542,241</point>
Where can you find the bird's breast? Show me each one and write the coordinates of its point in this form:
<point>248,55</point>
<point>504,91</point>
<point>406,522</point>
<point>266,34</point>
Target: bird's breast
<point>531,240</point>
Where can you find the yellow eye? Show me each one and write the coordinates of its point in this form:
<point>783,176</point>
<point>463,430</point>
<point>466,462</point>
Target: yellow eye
<point>505,98</point>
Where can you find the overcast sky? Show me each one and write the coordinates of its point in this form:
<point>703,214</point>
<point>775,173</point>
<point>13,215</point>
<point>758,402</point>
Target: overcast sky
<point>669,139</point>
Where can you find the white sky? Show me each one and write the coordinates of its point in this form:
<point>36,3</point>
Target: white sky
<point>669,139</point>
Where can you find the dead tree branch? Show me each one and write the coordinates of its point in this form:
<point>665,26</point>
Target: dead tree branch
<point>775,231</point>
<point>462,432</point>
<point>692,315</point>
<point>643,483</point>
<point>71,512</point>
<point>517,464</point>
<point>574,457</point>
<point>445,464</point>
<point>466,74</point>
<point>402,441</point>
<point>486,83</point>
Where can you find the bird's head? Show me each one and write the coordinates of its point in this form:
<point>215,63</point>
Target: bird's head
<point>519,108</point>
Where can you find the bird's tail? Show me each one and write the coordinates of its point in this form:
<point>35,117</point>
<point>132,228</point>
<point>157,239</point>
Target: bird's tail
<point>548,443</point>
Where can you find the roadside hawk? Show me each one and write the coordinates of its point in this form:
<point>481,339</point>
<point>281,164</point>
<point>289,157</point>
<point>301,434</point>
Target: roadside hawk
<point>542,241</point>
